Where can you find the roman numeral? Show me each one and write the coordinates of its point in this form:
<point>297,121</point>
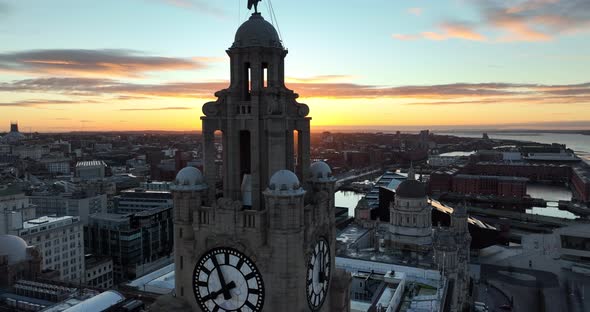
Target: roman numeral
<point>215,309</point>
<point>253,291</point>
<point>205,270</point>
<point>226,258</point>
<point>240,263</point>
<point>202,284</point>
<point>250,305</point>
<point>250,275</point>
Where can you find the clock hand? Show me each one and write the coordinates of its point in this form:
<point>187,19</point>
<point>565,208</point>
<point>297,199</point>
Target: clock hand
<point>226,293</point>
<point>216,294</point>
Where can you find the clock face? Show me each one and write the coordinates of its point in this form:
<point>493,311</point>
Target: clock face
<point>226,280</point>
<point>318,275</point>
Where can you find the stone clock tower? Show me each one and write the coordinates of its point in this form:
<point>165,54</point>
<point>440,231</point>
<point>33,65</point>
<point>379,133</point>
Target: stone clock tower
<point>260,236</point>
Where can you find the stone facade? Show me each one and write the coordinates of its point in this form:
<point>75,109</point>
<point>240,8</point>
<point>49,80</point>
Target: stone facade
<point>410,236</point>
<point>273,207</point>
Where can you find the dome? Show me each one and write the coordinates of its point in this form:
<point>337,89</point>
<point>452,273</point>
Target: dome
<point>320,172</point>
<point>257,32</point>
<point>13,137</point>
<point>189,178</point>
<point>14,247</point>
<point>285,182</point>
<point>411,189</point>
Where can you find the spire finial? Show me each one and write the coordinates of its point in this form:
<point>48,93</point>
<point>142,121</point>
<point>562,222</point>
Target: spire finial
<point>411,173</point>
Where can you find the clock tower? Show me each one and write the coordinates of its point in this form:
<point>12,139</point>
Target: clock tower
<point>260,236</point>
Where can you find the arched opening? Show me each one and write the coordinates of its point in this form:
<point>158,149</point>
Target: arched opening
<point>247,81</point>
<point>295,159</point>
<point>245,153</point>
<point>264,75</point>
<point>219,148</point>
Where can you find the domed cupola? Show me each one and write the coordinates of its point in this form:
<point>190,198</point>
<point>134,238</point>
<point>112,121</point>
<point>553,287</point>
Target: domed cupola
<point>189,179</point>
<point>285,182</point>
<point>257,32</point>
<point>14,247</point>
<point>320,172</point>
<point>411,189</point>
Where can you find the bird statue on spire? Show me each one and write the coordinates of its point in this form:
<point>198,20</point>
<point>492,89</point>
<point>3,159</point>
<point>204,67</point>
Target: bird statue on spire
<point>253,3</point>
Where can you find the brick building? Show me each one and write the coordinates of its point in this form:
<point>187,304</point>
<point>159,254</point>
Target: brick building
<point>489,185</point>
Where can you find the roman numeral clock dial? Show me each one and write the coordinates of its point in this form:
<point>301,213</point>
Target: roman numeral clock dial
<point>318,275</point>
<point>227,280</point>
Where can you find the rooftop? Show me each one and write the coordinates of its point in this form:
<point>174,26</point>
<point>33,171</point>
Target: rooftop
<point>47,220</point>
<point>160,281</point>
<point>90,163</point>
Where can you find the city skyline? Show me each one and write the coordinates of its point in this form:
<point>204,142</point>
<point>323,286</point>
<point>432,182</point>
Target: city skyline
<point>67,66</point>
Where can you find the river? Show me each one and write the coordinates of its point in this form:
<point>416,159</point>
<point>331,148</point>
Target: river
<point>579,143</point>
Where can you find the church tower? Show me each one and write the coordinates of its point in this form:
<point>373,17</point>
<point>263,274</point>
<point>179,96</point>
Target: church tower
<point>260,237</point>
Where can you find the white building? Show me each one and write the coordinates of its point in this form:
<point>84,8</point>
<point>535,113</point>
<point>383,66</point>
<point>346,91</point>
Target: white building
<point>61,243</point>
<point>91,170</point>
<point>14,209</point>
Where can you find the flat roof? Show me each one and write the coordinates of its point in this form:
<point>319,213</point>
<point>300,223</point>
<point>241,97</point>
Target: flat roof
<point>91,163</point>
<point>351,234</point>
<point>46,220</point>
<point>503,178</point>
<point>160,281</point>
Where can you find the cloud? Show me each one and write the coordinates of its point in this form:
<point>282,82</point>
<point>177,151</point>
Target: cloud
<point>405,37</point>
<point>84,63</point>
<point>509,21</point>
<point>41,103</point>
<point>155,109</point>
<point>446,31</point>
<point>320,79</point>
<point>415,11</point>
<point>444,94</point>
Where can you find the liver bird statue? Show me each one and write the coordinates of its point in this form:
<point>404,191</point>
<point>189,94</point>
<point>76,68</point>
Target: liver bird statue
<point>253,3</point>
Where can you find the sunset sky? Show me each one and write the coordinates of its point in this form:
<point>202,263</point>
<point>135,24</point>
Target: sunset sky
<point>391,64</point>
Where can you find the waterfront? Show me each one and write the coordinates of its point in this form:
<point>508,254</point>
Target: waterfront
<point>579,143</point>
<point>552,194</point>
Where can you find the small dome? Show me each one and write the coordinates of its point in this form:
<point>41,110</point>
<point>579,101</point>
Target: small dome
<point>411,189</point>
<point>320,172</point>
<point>257,32</point>
<point>285,182</point>
<point>14,247</point>
<point>188,178</point>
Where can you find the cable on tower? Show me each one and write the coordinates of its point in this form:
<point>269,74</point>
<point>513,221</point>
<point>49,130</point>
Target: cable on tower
<point>274,18</point>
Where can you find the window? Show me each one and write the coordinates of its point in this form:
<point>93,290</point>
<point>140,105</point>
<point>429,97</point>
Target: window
<point>264,75</point>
